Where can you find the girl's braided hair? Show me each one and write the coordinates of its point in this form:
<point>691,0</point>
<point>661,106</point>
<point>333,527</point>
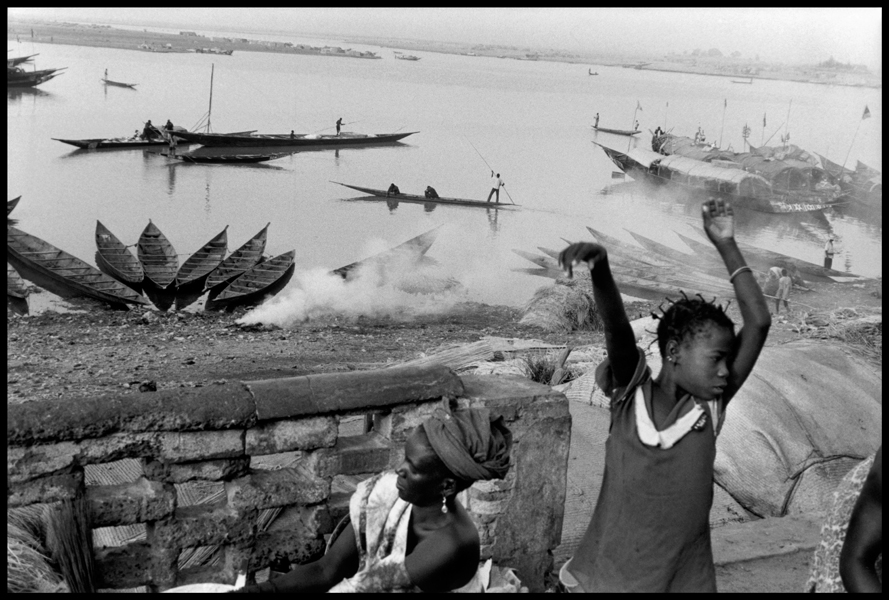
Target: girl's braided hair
<point>687,317</point>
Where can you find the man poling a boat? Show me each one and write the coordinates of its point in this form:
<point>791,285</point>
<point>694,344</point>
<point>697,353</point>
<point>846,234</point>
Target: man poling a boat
<point>339,123</point>
<point>495,187</point>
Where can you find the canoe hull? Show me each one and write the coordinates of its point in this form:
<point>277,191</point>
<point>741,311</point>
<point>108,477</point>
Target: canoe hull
<point>240,261</point>
<point>626,132</point>
<point>413,198</point>
<point>63,274</point>
<point>215,140</point>
<point>104,144</point>
<point>263,280</point>
<point>114,259</point>
<point>158,258</point>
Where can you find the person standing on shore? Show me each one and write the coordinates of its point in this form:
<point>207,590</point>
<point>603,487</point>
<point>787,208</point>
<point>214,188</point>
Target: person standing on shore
<point>829,251</point>
<point>650,531</point>
<point>495,187</point>
<point>784,285</point>
<point>339,123</point>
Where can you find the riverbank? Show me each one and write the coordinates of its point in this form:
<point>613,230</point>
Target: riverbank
<point>78,34</point>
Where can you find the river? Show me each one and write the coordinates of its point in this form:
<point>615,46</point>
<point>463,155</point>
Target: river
<point>528,120</point>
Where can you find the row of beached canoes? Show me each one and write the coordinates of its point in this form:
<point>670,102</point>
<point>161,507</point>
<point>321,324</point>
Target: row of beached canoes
<point>654,271</point>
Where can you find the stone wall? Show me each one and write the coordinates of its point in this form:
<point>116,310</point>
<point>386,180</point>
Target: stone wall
<point>274,450</point>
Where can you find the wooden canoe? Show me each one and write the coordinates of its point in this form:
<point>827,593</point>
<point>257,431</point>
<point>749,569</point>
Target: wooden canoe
<point>678,256</point>
<point>416,199</point>
<point>239,261</point>
<point>410,251</point>
<point>227,159</point>
<point>63,274</point>
<point>112,143</point>
<point>16,291</point>
<point>11,204</point>
<point>213,140</point>
<point>114,259</point>
<point>618,131</point>
<point>194,271</point>
<point>132,86</point>
<point>264,279</point>
<point>157,256</point>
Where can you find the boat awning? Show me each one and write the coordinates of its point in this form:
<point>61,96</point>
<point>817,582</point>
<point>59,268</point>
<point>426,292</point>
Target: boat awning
<point>697,168</point>
<point>643,157</point>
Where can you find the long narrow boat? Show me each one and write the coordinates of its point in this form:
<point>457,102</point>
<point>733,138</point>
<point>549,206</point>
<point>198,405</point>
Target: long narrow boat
<point>113,258</point>
<point>120,143</point>
<point>16,291</point>
<point>240,261</point>
<point>678,256</point>
<point>769,258</point>
<point>161,264</point>
<point>195,270</point>
<point>214,140</point>
<point>409,252</point>
<point>132,86</point>
<point>746,190</point>
<point>627,132</point>
<point>11,204</point>
<point>259,282</point>
<point>413,198</point>
<point>14,62</point>
<point>63,274</point>
<point>746,82</point>
<point>227,159</point>
<point>18,77</point>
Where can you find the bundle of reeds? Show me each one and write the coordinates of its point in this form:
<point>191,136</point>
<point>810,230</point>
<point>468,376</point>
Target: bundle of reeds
<point>456,357</point>
<point>567,305</point>
<point>70,541</point>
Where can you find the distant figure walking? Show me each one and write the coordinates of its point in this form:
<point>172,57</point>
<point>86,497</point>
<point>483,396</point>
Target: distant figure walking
<point>829,251</point>
<point>430,192</point>
<point>597,120</point>
<point>784,285</point>
<point>393,190</point>
<point>495,187</point>
<point>339,123</point>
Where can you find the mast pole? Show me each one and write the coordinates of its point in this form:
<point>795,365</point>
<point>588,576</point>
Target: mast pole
<point>210,110</point>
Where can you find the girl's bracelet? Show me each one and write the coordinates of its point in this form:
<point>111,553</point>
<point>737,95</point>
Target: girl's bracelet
<point>738,271</point>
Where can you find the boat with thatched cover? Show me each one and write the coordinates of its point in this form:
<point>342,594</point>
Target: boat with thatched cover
<point>61,273</point>
<point>864,184</point>
<point>722,178</point>
<point>114,259</point>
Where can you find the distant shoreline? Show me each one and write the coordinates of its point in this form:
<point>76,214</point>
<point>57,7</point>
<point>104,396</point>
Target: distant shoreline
<point>77,34</point>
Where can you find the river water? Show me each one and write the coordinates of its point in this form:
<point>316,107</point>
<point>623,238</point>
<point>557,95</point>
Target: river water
<point>528,120</point>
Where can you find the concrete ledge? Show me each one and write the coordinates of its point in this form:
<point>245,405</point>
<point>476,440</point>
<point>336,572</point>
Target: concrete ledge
<point>343,392</point>
<point>183,409</point>
<point>128,503</point>
<point>764,538</point>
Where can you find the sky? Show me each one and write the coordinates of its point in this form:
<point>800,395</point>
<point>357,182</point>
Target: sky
<point>800,35</point>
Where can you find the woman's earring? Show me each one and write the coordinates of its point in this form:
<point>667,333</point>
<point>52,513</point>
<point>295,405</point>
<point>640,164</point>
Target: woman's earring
<point>444,506</point>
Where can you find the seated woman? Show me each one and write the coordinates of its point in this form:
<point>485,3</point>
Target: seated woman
<point>408,531</point>
<point>393,190</point>
<point>430,192</point>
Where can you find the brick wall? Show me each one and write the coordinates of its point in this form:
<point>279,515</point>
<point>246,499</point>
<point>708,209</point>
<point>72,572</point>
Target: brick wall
<point>171,474</point>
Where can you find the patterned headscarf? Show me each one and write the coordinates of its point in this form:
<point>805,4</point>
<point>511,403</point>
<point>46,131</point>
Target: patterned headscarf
<point>472,444</point>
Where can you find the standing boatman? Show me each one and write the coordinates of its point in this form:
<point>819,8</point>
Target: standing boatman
<point>597,120</point>
<point>829,251</point>
<point>339,122</point>
<point>495,187</point>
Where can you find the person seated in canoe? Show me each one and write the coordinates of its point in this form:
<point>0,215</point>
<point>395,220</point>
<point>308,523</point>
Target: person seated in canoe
<point>393,190</point>
<point>135,136</point>
<point>292,135</point>
<point>408,531</point>
<point>430,192</point>
<point>169,125</point>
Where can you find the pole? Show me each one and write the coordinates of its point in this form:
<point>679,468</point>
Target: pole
<point>721,129</point>
<point>666,110</point>
<point>773,135</point>
<point>632,123</point>
<point>210,110</point>
<point>850,147</point>
<point>788,120</point>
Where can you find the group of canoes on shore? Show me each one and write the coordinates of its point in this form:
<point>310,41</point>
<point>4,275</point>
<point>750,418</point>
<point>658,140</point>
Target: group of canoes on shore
<point>153,274</point>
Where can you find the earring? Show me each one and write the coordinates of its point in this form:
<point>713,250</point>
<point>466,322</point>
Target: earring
<point>444,506</point>
<point>670,358</point>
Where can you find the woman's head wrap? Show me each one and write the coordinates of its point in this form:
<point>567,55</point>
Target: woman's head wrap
<point>472,444</point>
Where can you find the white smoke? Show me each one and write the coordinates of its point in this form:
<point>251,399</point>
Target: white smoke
<point>398,286</point>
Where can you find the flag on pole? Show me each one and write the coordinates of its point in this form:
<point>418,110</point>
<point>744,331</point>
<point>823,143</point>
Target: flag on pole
<point>639,106</point>
<point>763,119</point>
<point>866,114</point>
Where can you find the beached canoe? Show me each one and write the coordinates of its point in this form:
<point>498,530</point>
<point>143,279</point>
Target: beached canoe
<point>239,261</point>
<point>11,204</point>
<point>63,274</point>
<point>618,131</point>
<point>259,282</point>
<point>416,199</point>
<point>158,257</point>
<point>403,255</point>
<point>114,259</point>
<point>132,86</point>
<point>16,291</point>
<point>195,270</point>
<point>214,140</point>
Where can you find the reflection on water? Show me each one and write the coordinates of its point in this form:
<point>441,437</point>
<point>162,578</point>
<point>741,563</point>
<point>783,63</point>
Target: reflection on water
<point>493,215</point>
<point>19,94</point>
